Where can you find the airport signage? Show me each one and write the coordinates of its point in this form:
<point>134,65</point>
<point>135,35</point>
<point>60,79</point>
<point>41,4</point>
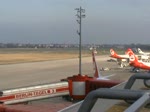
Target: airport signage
<point>35,93</point>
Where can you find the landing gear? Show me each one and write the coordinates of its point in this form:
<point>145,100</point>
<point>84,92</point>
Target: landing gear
<point>122,65</point>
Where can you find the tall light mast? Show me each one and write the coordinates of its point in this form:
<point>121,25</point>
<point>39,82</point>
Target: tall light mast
<point>80,14</point>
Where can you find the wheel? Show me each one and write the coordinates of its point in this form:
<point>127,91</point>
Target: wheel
<point>147,82</point>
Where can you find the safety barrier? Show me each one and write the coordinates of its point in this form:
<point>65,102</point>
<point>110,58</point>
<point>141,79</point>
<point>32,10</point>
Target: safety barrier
<point>92,97</point>
<point>133,78</point>
<point>124,94</point>
<point>37,92</point>
<point>141,102</point>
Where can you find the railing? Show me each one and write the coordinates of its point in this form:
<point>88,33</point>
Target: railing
<point>141,97</point>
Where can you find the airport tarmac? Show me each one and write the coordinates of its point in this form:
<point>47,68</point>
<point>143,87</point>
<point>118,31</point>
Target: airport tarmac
<point>25,74</point>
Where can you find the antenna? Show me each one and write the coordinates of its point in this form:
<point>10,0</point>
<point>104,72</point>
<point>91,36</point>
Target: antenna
<point>80,14</point>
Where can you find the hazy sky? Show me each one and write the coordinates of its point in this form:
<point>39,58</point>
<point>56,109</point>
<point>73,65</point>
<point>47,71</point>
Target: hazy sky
<point>54,21</point>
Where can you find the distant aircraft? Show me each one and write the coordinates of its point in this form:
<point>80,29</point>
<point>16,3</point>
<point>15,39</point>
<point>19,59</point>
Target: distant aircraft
<point>121,59</point>
<point>97,74</point>
<point>124,59</point>
<point>115,55</point>
<point>138,64</point>
<point>143,53</point>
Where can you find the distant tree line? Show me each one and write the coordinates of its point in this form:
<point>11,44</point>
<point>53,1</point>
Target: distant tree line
<point>98,46</point>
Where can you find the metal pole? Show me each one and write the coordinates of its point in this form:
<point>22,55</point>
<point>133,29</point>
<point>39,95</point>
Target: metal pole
<point>141,102</point>
<point>79,20</point>
<point>107,93</point>
<point>80,50</point>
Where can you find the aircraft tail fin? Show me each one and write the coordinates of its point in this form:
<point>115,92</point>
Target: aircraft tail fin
<point>113,53</point>
<point>128,51</point>
<point>132,57</point>
<point>140,51</point>
<point>96,74</point>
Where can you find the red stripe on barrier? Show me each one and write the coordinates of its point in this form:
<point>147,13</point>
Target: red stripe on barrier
<point>31,94</point>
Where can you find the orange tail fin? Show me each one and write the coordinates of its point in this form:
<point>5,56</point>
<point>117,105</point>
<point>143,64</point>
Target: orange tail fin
<point>113,53</point>
<point>132,57</point>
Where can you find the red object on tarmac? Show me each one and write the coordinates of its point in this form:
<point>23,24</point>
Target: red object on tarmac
<point>81,85</point>
<point>77,86</point>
